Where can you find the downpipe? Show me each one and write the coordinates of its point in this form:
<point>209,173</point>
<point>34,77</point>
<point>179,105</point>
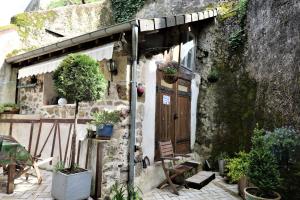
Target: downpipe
<point>133,101</point>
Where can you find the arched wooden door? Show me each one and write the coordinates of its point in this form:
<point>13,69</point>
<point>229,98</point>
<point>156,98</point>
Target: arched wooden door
<point>173,104</point>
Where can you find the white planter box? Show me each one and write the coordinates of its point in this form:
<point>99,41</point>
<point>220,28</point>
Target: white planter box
<point>71,186</point>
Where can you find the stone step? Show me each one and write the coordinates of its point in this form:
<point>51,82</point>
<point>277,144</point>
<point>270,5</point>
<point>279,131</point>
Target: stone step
<point>200,179</point>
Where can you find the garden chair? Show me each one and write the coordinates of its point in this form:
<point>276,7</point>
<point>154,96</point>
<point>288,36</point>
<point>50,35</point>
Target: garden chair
<point>167,154</point>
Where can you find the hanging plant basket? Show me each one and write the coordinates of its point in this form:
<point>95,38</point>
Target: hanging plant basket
<point>170,78</point>
<point>170,72</point>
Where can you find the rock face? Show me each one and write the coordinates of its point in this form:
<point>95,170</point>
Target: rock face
<point>274,60</point>
<point>158,8</point>
<point>35,28</point>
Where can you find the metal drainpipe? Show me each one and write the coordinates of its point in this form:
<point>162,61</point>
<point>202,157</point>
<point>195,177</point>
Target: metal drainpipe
<point>133,103</point>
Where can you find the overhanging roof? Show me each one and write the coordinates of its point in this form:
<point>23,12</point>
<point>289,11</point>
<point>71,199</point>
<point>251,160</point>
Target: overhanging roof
<point>143,24</point>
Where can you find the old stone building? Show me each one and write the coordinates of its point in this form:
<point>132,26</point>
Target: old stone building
<point>38,100</point>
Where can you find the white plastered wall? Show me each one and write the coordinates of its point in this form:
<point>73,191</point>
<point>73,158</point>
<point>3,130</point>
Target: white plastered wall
<point>195,92</point>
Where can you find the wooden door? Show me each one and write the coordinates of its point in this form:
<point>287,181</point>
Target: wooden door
<point>173,114</point>
<point>183,115</point>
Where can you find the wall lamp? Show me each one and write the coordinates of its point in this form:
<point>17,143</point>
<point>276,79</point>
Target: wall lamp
<point>112,68</point>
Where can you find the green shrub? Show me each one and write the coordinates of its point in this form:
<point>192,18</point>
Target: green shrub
<point>8,107</point>
<point>106,117</point>
<point>263,169</point>
<point>237,167</point>
<point>78,78</point>
<point>283,143</point>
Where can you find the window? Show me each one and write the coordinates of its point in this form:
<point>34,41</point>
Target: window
<point>187,52</point>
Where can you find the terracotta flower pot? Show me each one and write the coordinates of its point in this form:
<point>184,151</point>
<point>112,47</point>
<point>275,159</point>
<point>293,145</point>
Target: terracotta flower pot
<point>249,196</point>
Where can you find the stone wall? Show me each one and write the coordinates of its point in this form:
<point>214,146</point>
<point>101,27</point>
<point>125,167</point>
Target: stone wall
<point>31,95</point>
<point>69,21</point>
<point>159,8</point>
<point>8,41</point>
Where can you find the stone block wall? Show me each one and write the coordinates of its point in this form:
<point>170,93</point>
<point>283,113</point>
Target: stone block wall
<point>31,97</point>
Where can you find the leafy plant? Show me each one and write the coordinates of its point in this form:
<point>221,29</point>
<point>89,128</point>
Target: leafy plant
<point>106,117</point>
<point>59,166</point>
<point>237,39</point>
<point>118,192</point>
<point>213,75</point>
<point>263,169</point>
<point>134,192</point>
<point>78,78</point>
<point>8,107</point>
<point>125,10</point>
<point>238,166</point>
<point>170,68</point>
<point>242,12</point>
<point>283,143</point>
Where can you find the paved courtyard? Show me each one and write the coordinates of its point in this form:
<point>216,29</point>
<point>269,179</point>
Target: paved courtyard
<point>216,190</point>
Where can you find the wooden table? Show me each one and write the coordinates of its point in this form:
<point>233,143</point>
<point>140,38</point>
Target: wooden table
<point>13,154</point>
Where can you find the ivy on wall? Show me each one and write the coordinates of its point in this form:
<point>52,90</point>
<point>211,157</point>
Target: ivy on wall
<point>124,10</point>
<point>239,36</point>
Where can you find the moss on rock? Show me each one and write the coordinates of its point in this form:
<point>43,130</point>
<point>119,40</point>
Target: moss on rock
<point>29,21</point>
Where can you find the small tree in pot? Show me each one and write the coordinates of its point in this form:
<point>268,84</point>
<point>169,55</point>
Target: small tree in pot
<point>77,78</point>
<point>262,171</point>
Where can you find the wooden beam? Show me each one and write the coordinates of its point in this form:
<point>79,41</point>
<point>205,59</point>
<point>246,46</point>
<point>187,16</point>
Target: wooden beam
<point>53,143</point>
<point>30,137</point>
<point>99,166</point>
<point>68,141</point>
<point>38,139</point>
<point>78,152</point>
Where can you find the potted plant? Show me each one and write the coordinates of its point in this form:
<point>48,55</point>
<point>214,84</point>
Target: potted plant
<point>262,171</point>
<point>222,162</point>
<point>104,122</point>
<point>170,72</point>
<point>71,185</point>
<point>9,108</point>
<point>237,168</point>
<point>77,79</point>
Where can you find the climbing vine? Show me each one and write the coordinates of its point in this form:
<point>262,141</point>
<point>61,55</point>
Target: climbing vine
<point>124,10</point>
<point>239,36</point>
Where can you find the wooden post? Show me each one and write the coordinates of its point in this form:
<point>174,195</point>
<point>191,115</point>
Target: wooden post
<point>11,178</point>
<point>99,166</point>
